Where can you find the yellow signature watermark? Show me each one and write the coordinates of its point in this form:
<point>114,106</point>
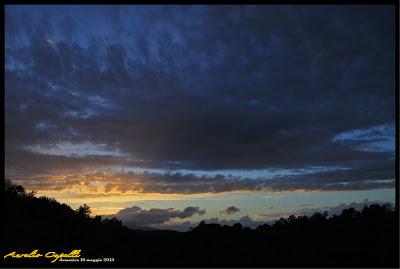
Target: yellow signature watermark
<point>76,253</point>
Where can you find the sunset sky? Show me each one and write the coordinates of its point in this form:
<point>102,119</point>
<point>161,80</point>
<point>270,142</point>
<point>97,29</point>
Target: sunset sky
<point>168,115</point>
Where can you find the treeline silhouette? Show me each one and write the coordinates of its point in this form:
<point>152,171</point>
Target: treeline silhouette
<point>353,239</point>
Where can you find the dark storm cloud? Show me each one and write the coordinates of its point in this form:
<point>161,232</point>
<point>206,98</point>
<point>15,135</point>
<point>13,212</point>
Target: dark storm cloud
<point>202,87</point>
<point>230,210</point>
<point>138,217</point>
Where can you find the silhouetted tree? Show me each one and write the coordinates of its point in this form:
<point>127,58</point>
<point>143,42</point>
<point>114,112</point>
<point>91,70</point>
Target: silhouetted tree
<point>351,239</point>
<point>84,211</point>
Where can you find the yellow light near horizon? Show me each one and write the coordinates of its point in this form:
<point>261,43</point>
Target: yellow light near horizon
<point>76,199</point>
<point>73,197</point>
<point>105,210</point>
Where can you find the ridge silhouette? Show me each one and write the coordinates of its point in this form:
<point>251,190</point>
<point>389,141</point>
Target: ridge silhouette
<point>366,238</point>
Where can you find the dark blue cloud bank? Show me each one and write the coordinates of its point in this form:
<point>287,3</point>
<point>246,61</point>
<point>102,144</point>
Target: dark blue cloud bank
<point>202,88</point>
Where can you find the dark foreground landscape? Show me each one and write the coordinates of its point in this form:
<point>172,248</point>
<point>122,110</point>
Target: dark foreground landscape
<point>354,239</point>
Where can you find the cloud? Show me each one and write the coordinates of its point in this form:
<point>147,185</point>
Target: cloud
<point>135,216</point>
<point>230,210</point>
<point>377,138</point>
<point>201,88</point>
<point>189,183</point>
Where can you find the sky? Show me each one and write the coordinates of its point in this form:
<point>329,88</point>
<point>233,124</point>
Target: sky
<point>164,116</point>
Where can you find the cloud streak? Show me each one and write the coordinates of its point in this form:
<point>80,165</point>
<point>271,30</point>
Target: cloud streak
<point>187,183</point>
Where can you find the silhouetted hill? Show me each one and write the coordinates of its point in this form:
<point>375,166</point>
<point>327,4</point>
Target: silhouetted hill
<point>368,238</point>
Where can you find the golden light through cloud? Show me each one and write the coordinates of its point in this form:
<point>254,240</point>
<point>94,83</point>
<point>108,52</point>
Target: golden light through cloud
<point>70,197</point>
<point>99,187</point>
<point>125,123</point>
<point>109,191</point>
